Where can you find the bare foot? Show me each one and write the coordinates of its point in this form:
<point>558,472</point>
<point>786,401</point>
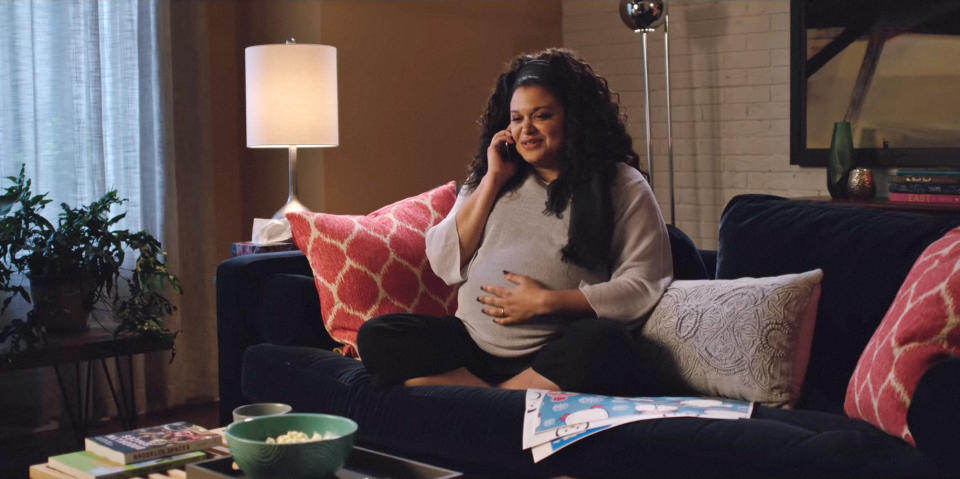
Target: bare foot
<point>456,377</point>
<point>529,379</point>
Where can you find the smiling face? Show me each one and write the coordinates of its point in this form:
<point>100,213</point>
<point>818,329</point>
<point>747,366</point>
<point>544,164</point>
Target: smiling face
<point>537,125</point>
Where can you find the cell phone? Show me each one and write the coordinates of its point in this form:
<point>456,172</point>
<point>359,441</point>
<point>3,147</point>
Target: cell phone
<point>510,151</point>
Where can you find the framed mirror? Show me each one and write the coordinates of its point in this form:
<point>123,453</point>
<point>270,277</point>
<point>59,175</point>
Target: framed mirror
<point>890,68</point>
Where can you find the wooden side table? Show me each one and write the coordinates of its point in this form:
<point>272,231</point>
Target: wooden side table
<point>90,346</point>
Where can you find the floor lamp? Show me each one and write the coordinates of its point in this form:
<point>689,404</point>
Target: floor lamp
<point>291,102</point>
<point>644,16</point>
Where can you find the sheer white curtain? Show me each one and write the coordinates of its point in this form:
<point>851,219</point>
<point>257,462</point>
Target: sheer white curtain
<point>81,102</point>
<point>85,105</point>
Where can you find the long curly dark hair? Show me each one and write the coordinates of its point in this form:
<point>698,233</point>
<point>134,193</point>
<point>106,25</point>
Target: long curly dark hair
<point>595,140</point>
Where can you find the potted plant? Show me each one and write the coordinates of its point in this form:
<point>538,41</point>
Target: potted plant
<point>76,266</point>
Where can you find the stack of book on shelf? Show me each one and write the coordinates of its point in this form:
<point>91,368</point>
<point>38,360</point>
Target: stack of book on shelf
<point>163,449</point>
<point>938,186</point>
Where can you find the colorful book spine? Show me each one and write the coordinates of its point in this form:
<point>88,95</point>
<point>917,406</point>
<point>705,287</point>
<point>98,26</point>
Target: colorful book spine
<point>925,188</point>
<point>925,179</point>
<point>925,198</point>
<point>927,173</point>
<point>87,465</point>
<point>152,442</point>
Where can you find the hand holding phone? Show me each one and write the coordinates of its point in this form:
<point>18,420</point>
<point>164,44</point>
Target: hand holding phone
<point>501,154</point>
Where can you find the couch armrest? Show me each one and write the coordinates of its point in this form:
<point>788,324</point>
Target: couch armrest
<point>240,291</point>
<point>934,418</point>
<point>290,314</point>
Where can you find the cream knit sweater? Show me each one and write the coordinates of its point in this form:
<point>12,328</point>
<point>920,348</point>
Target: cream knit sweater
<point>520,238</point>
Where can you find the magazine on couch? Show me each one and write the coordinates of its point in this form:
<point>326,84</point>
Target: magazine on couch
<point>553,420</point>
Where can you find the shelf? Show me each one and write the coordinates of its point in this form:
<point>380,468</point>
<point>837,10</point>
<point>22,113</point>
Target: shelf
<point>881,203</point>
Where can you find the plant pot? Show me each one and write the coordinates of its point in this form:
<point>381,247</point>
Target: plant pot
<point>59,302</point>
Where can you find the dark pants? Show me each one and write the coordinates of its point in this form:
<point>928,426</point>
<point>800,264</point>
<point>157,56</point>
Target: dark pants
<point>590,355</point>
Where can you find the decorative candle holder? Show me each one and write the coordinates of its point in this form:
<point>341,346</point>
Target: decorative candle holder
<point>860,185</point>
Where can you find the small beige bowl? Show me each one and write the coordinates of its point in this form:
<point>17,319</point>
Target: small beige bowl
<point>260,409</point>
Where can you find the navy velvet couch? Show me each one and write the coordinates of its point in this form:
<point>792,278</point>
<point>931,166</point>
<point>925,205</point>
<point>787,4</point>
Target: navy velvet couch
<point>273,347</point>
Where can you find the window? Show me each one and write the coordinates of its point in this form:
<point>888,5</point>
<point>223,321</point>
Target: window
<point>82,103</point>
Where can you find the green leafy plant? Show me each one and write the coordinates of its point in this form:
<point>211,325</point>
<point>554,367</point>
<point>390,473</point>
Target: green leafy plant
<point>84,247</point>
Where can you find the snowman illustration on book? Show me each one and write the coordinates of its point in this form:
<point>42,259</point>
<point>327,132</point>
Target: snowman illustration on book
<point>581,420</point>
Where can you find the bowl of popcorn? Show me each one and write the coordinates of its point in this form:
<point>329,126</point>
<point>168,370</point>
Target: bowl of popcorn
<point>291,446</point>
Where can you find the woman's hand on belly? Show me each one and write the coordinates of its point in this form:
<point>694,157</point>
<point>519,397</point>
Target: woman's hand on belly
<point>516,304</point>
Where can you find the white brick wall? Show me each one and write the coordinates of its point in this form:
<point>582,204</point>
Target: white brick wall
<point>730,100</point>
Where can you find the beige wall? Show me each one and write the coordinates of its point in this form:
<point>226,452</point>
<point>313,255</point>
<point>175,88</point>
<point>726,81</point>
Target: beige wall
<point>730,100</point>
<point>413,79</point>
<point>207,120</point>
<point>203,215</point>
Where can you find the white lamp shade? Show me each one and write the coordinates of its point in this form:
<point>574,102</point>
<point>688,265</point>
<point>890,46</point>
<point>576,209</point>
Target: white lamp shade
<point>292,96</point>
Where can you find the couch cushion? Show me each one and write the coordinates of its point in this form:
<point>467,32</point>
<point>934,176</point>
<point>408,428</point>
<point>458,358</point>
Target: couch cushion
<point>934,422</point>
<point>865,254</point>
<point>687,260</point>
<point>366,266</point>
<point>920,330</point>
<point>746,338</point>
<point>480,429</point>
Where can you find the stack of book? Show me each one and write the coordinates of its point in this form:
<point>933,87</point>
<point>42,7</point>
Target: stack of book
<point>139,452</point>
<point>939,186</point>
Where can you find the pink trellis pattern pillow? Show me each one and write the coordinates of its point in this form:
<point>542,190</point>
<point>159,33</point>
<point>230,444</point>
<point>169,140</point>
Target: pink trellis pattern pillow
<point>365,266</point>
<point>919,330</point>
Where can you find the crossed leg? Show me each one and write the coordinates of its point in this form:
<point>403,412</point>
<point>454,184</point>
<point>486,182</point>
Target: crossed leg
<point>591,354</point>
<point>526,379</point>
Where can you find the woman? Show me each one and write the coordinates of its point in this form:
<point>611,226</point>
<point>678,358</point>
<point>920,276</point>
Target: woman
<point>556,241</point>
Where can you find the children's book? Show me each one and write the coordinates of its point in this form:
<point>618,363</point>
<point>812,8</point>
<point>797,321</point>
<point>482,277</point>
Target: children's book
<point>553,420</point>
<point>151,442</point>
<point>87,465</point>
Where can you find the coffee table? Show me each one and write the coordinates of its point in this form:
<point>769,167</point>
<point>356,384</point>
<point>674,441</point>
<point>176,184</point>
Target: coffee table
<point>361,464</point>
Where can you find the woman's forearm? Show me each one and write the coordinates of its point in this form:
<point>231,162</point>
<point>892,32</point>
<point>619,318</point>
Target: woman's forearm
<point>567,301</point>
<point>472,216</point>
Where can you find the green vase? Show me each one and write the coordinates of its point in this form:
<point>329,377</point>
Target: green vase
<point>840,160</point>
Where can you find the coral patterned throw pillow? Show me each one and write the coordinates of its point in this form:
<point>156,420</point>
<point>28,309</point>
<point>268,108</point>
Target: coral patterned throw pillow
<point>365,266</point>
<point>920,329</point>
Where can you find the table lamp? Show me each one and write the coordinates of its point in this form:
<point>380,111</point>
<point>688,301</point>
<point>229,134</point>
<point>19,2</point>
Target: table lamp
<point>291,102</point>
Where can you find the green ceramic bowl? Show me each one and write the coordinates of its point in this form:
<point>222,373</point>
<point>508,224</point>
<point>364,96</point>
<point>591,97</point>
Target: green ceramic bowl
<point>305,460</point>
